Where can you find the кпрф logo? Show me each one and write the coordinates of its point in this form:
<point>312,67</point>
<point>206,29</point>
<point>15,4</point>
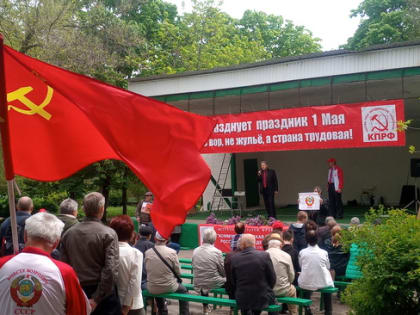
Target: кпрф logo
<point>379,123</point>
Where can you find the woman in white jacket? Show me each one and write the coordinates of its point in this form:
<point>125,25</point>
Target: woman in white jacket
<point>130,268</point>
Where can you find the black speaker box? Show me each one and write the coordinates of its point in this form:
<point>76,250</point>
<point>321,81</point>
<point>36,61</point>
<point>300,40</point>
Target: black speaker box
<point>407,194</point>
<point>415,168</point>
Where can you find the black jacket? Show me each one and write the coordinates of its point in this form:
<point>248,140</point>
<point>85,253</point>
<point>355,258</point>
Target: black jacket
<point>272,184</point>
<point>6,243</point>
<point>295,256</point>
<point>253,278</point>
<point>299,235</point>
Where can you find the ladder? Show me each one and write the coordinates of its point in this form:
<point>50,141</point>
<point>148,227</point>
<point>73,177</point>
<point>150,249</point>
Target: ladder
<point>219,199</point>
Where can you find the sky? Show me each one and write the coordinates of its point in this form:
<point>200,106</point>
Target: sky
<point>328,20</point>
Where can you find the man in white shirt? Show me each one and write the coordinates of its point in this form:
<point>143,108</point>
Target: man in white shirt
<point>315,272</point>
<point>285,274</point>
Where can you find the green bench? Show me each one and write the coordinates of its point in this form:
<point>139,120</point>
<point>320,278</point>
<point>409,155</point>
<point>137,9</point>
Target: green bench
<point>185,261</point>
<point>186,267</point>
<point>284,299</point>
<point>341,284</point>
<point>329,290</point>
<point>204,300</point>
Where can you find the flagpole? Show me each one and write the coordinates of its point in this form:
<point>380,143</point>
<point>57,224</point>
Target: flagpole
<point>12,210</point>
<point>7,155</point>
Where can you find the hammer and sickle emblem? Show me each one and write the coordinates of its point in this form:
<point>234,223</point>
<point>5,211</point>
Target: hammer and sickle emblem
<point>20,95</point>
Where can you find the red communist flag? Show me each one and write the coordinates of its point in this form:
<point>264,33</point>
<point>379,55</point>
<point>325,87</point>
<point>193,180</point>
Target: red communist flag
<point>58,121</point>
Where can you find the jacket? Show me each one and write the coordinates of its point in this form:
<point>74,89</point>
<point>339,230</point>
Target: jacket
<point>160,278</point>
<point>91,248</point>
<point>324,234</point>
<point>208,267</point>
<point>272,184</point>
<point>143,217</point>
<point>253,279</point>
<point>315,267</point>
<point>294,255</point>
<point>338,258</point>
<point>228,272</point>
<point>129,276</point>
<point>283,267</point>
<point>68,220</point>
<point>299,235</point>
<point>6,243</point>
<point>337,177</point>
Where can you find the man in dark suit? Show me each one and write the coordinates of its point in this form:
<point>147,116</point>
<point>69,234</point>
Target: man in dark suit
<point>268,187</point>
<point>253,277</point>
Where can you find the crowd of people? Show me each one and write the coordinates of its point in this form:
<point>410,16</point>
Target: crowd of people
<point>71,267</point>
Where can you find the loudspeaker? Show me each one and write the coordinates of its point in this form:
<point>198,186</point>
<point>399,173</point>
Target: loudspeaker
<point>415,168</point>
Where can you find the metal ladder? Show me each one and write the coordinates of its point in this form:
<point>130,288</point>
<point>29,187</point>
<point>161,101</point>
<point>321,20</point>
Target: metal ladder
<point>218,198</point>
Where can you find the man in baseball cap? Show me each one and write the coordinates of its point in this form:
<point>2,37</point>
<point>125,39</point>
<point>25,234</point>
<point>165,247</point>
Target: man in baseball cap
<point>163,273</point>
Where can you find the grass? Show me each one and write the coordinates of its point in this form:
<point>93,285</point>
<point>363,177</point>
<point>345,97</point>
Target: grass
<point>114,211</point>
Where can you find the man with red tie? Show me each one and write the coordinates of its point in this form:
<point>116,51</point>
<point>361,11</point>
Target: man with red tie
<point>335,188</point>
<point>268,187</point>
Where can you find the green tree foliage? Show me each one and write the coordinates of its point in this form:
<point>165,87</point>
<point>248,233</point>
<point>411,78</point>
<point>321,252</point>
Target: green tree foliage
<point>113,40</point>
<point>385,21</point>
<point>280,38</point>
<point>389,259</point>
<point>209,38</point>
<point>83,36</point>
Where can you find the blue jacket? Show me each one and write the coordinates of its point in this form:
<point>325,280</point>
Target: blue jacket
<point>6,233</point>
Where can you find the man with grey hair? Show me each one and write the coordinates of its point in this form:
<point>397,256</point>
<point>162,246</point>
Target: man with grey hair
<point>355,221</point>
<point>31,282</point>
<point>285,274</point>
<point>208,266</point>
<point>253,277</point>
<point>24,208</point>
<point>91,248</point>
<point>68,213</point>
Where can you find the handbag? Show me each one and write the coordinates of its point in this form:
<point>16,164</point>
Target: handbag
<point>178,279</point>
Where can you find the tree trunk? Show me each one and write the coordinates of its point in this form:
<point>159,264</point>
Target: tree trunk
<point>105,192</point>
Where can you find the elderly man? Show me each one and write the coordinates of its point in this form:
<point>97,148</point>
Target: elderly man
<point>91,248</point>
<point>68,213</point>
<point>285,274</point>
<point>208,266</point>
<point>163,274</point>
<point>33,283</point>
<point>253,277</point>
<point>24,209</point>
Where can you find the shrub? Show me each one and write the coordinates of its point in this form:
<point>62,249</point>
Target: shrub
<point>390,262</point>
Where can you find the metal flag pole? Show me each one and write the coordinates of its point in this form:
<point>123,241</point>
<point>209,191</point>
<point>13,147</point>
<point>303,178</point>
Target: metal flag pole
<point>7,155</point>
<point>12,210</point>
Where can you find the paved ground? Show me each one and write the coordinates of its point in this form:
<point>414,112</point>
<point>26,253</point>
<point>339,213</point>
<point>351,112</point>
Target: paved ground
<point>196,309</point>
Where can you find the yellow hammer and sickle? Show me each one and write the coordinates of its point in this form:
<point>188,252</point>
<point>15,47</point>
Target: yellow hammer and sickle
<point>20,95</point>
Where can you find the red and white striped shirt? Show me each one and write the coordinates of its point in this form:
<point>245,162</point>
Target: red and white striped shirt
<point>31,282</point>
